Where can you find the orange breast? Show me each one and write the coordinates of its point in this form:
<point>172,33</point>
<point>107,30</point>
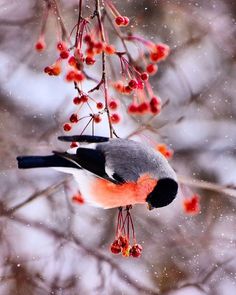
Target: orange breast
<point>110,195</point>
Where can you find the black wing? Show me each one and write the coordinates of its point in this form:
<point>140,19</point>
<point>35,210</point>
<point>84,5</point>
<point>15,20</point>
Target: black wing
<point>93,161</point>
<point>84,138</point>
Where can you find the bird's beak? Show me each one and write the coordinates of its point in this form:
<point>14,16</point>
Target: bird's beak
<point>149,206</point>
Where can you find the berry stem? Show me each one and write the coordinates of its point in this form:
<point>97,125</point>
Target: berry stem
<point>78,23</point>
<point>104,77</point>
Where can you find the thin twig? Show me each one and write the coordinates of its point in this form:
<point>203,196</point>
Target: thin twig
<point>207,185</point>
<point>104,77</point>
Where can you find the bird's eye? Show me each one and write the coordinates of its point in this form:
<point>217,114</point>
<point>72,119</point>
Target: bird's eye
<point>163,193</point>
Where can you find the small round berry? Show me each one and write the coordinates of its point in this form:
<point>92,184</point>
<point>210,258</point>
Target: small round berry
<point>109,49</point>
<point>143,107</point>
<point>76,100</point>
<point>132,108</point>
<point>119,20</point>
<point>70,76</point>
<point>155,109</point>
<point>119,86</point>
<point>115,247</point>
<point>151,69</point>
<point>89,60</point>
<point>123,241</point>
<point>100,105</point>
<point>73,144</point>
<point>64,54</point>
<point>84,98</point>
<point>144,76</point>
<point>113,104</point>
<point>79,76</point>
<point>90,51</point>
<point>127,89</point>
<point>72,61</point>
<point>133,84</point>
<point>97,118</point>
<point>136,250</point>
<point>98,47</point>
<point>40,45</point>
<point>155,101</point>
<point>126,21</point>
<point>74,118</point>
<point>61,46</point>
<point>87,38</point>
<point>115,118</point>
<point>56,69</point>
<point>67,127</point>
<point>47,70</point>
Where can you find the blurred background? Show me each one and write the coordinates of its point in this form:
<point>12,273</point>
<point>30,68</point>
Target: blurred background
<point>50,245</point>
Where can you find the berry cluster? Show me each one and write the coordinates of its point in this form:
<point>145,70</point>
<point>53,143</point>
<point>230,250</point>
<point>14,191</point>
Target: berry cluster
<point>86,46</point>
<point>121,244</point>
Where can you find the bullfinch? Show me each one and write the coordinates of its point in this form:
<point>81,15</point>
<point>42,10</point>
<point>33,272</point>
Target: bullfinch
<point>113,172</point>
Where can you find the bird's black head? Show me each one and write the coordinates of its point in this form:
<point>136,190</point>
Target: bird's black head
<point>163,193</point>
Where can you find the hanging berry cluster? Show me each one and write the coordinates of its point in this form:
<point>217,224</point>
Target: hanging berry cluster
<point>88,46</point>
<point>121,244</point>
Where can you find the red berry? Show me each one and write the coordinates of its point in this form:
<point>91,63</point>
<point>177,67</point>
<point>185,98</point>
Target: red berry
<point>161,52</point>
<point>133,84</point>
<point>56,69</point>
<point>126,21</point>
<point>119,20</point>
<point>89,60</point>
<point>76,100</point>
<point>70,76</point>
<point>115,118</point>
<point>140,85</point>
<point>67,127</point>
<point>136,250</point>
<point>90,52</point>
<point>115,247</point>
<point>98,47</point>
<point>123,241</point>
<point>155,109</point>
<point>74,118</point>
<point>79,76</point>
<point>127,89</point>
<point>132,108</point>
<point>87,38</point>
<point>144,76</point>
<point>155,101</point>
<point>61,46</point>
<point>109,49</point>
<point>143,107</point>
<point>100,105</point>
<point>97,118</point>
<point>151,69</point>
<point>73,144</point>
<point>72,61</point>
<point>113,104</point>
<point>40,45</point>
<point>84,98</point>
<point>47,70</point>
<point>119,86</point>
<point>64,54</point>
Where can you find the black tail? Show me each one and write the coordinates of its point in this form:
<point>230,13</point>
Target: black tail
<point>25,162</point>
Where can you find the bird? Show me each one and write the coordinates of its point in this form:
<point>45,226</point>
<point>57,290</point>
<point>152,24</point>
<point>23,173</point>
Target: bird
<point>112,172</point>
